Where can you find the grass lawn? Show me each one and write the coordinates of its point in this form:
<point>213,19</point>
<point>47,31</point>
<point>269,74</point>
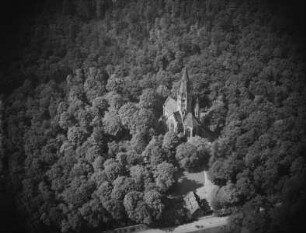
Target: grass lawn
<point>188,182</point>
<point>197,182</point>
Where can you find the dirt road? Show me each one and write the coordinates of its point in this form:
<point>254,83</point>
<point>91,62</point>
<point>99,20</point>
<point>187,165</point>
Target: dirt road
<point>208,224</point>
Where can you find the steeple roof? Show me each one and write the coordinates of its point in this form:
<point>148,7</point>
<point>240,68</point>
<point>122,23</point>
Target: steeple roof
<point>184,87</point>
<point>185,75</point>
<point>190,121</point>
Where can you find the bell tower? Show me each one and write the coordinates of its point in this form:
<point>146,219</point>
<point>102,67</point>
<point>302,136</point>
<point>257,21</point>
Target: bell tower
<point>184,98</point>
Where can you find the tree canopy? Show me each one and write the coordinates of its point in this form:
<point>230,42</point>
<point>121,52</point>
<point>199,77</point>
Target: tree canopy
<point>83,147</point>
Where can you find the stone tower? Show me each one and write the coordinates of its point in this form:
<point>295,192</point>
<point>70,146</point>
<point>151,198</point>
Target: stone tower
<point>197,109</point>
<point>184,98</point>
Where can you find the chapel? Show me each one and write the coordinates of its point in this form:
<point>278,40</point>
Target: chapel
<point>182,115</point>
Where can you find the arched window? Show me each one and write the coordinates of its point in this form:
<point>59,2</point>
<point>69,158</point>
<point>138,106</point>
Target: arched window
<point>183,104</point>
<point>183,113</point>
<point>171,126</point>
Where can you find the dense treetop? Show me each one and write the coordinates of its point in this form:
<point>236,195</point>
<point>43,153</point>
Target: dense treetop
<point>84,147</point>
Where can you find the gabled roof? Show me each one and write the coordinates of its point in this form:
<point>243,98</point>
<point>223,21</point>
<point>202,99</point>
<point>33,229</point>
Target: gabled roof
<point>170,105</point>
<point>190,120</point>
<point>191,203</point>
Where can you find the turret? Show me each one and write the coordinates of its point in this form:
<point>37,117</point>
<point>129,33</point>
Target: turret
<point>197,109</point>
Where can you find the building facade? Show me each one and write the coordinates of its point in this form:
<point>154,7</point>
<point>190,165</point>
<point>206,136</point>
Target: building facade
<point>180,115</point>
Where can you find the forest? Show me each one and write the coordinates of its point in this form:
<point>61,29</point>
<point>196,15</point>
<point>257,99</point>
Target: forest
<point>83,147</point>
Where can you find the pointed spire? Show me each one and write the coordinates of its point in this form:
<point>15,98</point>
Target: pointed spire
<point>185,75</point>
<point>184,87</point>
<point>184,98</point>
